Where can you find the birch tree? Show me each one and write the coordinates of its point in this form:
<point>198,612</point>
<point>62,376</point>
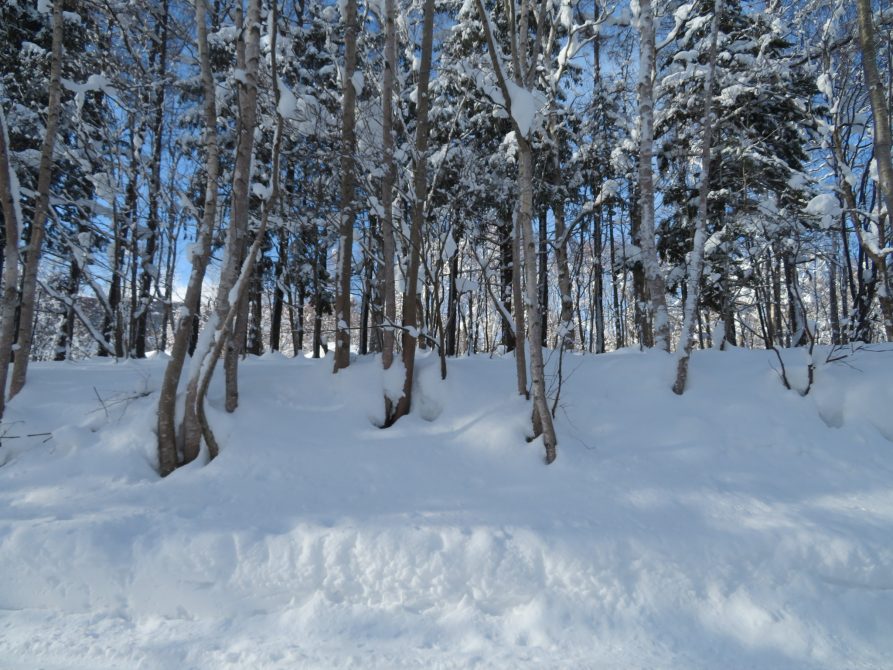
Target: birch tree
<point>881,115</point>
<point>517,95</point>
<point>696,260</point>
<point>654,278</point>
<point>248,59</point>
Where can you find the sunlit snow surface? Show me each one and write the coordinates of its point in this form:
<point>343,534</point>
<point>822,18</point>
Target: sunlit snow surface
<point>740,526</point>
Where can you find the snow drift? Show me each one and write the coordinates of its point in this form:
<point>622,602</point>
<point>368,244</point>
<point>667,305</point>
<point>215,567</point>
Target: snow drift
<point>739,526</point>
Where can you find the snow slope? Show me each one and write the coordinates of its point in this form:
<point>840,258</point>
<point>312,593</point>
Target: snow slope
<point>740,526</point>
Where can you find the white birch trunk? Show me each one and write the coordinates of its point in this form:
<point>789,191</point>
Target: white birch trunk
<point>648,249</point>
<point>524,77</point>
<point>696,260</point>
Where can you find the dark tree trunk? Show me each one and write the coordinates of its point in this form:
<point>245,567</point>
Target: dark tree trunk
<point>279,290</point>
<point>543,276</point>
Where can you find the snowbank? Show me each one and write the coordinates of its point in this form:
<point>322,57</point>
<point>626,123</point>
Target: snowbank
<point>739,526</point>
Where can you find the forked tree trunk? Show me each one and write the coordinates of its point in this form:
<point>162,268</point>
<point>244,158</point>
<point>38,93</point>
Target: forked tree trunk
<point>41,209</point>
<point>220,333</point>
<point>201,253</point>
<point>524,75</point>
<point>411,312</point>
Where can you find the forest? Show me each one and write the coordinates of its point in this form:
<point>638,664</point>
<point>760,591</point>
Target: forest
<point>404,334</point>
<point>215,180</point>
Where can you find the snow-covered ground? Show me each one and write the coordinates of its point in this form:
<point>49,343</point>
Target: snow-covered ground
<point>740,526</point>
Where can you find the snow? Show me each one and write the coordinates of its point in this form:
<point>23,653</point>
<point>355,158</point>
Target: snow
<point>738,526</point>
<point>357,80</point>
<point>728,97</point>
<point>826,207</point>
<point>825,86</point>
<point>525,106</point>
<point>565,15</point>
<point>44,6</point>
<point>288,104</point>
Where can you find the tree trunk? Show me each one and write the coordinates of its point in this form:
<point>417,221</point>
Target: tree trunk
<point>420,190</point>
<point>248,57</point>
<point>41,209</point>
<point>147,261</point>
<point>201,252</point>
<point>520,349</point>
<point>452,325</point>
<point>387,284</point>
<point>881,114</point>
<point>221,331</point>
<point>65,333</point>
<point>799,334</point>
<point>507,235</point>
<point>566,319</point>
<point>279,290</point>
<point>254,343</point>
<point>543,284</point>
<point>696,262</point>
<point>648,250</point>
<point>542,415</point>
<point>9,194</point>
<point>346,202</point>
<point>640,284</point>
<point>598,273</point>
<point>619,333</point>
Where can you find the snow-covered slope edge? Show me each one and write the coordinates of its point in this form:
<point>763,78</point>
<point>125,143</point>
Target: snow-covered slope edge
<point>740,526</point>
